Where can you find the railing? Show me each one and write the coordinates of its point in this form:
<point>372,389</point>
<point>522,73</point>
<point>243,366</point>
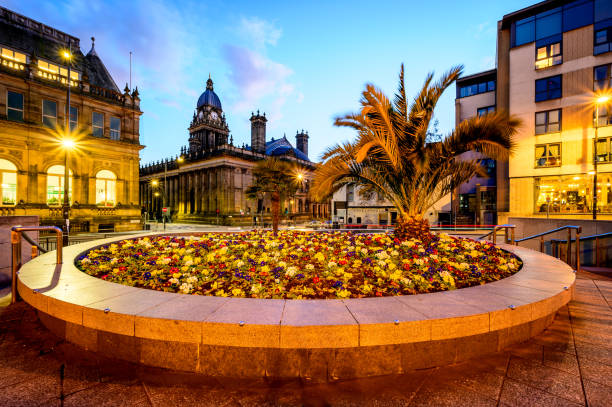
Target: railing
<point>497,228</point>
<point>568,242</point>
<point>16,235</point>
<point>555,243</point>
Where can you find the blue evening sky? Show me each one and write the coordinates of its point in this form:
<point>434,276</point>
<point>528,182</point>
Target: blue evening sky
<point>303,63</point>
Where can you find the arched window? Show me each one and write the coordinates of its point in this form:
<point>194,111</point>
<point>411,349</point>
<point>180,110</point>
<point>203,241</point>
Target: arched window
<point>8,183</point>
<point>106,188</point>
<point>55,185</point>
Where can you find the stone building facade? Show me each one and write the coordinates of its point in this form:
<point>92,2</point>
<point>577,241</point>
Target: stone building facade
<point>104,124</point>
<point>207,182</point>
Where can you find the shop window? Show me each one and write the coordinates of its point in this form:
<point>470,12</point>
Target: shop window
<point>548,88</point>
<point>548,121</point>
<point>548,55</point>
<point>14,106</point>
<point>106,188</point>
<point>49,113</point>
<point>8,180</point>
<point>548,155</point>
<point>602,117</point>
<point>603,149</point>
<point>55,185</point>
<point>573,194</point>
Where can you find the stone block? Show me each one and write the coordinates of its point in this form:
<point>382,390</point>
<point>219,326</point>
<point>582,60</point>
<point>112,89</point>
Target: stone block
<point>423,355</point>
<point>170,355</point>
<point>231,361</point>
<point>477,345</point>
<point>285,363</point>
<point>366,361</point>
<point>119,346</point>
<point>84,337</point>
<point>57,326</point>
<point>459,326</point>
<point>512,335</point>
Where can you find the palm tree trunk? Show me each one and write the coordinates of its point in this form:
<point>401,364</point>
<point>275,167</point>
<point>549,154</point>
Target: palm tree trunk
<point>412,227</point>
<point>275,211</point>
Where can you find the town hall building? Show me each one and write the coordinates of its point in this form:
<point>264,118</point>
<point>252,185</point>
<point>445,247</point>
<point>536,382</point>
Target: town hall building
<point>207,183</point>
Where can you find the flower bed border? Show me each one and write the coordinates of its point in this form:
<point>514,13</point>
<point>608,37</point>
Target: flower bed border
<point>313,339</point>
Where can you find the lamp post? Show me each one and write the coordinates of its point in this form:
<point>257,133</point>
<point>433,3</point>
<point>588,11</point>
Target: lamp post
<point>68,144</point>
<point>155,183</point>
<point>598,102</point>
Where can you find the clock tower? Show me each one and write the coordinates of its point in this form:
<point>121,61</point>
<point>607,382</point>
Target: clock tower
<point>208,129</point>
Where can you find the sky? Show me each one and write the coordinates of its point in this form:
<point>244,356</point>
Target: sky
<point>302,63</point>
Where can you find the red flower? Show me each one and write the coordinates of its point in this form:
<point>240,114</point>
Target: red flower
<point>122,268</point>
<point>342,262</point>
<point>252,269</point>
<point>104,276</point>
<point>316,279</point>
<point>406,266</point>
<point>378,294</point>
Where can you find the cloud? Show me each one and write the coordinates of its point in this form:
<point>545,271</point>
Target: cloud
<point>259,32</point>
<point>485,29</point>
<point>256,79</point>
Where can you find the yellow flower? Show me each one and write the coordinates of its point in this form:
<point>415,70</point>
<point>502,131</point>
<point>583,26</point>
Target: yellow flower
<point>343,293</point>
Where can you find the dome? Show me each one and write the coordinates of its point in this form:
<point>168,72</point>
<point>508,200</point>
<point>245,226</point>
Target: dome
<point>209,97</point>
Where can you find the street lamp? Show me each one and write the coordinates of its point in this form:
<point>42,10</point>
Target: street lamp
<point>599,101</point>
<point>68,145</point>
<point>155,183</point>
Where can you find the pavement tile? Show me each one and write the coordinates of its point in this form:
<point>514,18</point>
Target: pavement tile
<point>556,382</point>
<point>601,354</point>
<point>595,371</point>
<point>109,395</point>
<point>598,395</point>
<point>31,392</point>
<point>527,350</point>
<point>517,394</point>
<point>433,394</point>
<point>78,377</point>
<point>162,396</point>
<point>561,360</point>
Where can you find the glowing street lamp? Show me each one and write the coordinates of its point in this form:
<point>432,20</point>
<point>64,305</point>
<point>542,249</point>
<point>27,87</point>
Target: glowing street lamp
<point>600,100</point>
<point>68,145</point>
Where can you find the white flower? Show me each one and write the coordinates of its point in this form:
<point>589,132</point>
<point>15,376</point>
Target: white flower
<point>174,244</point>
<point>192,280</point>
<point>166,260</point>
<point>173,280</point>
<point>310,267</point>
<point>186,288</point>
<point>394,253</point>
<point>332,264</point>
<point>382,255</point>
<point>291,271</point>
<point>382,263</point>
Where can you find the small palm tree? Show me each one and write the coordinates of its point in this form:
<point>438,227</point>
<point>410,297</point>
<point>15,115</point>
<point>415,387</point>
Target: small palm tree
<point>274,177</point>
<point>392,156</point>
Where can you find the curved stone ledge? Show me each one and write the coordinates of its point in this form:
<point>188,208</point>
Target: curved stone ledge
<point>315,339</point>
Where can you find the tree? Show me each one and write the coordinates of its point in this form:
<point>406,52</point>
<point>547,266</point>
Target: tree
<point>393,157</point>
<point>274,177</point>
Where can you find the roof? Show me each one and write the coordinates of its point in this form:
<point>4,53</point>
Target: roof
<point>282,146</point>
<point>479,76</point>
<point>209,97</point>
<point>44,42</point>
<point>532,10</point>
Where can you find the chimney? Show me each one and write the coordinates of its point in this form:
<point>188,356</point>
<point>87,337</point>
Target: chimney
<point>258,132</point>
<point>301,141</point>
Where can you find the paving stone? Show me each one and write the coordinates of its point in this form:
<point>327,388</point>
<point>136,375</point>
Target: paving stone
<point>561,360</point>
<point>598,395</point>
<point>162,396</point>
<point>601,354</point>
<point>109,394</point>
<point>517,394</point>
<point>31,392</point>
<point>556,382</point>
<point>435,394</point>
<point>595,371</point>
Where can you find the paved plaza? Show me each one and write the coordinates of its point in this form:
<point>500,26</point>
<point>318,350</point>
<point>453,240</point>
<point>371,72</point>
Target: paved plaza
<point>570,364</point>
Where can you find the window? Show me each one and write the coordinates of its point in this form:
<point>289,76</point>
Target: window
<point>13,55</point>
<point>74,118</point>
<point>350,193</point>
<point>8,183</point>
<point>548,55</point>
<point>97,123</point>
<point>602,41</point>
<point>49,113</point>
<point>548,155</point>
<point>489,166</point>
<point>603,10</point>
<point>481,111</point>
<point>548,23</point>
<point>602,77</point>
<point>548,122</point>
<point>106,188</point>
<point>115,128</point>
<point>55,185</point>
<point>50,71</point>
<point>603,149</point>
<point>603,117</point>
<point>577,14</point>
<point>524,31</point>
<point>548,88</point>
<point>573,193</point>
<point>14,106</point>
<point>476,88</point>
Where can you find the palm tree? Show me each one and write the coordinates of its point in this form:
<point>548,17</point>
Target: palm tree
<point>274,177</point>
<point>392,156</point>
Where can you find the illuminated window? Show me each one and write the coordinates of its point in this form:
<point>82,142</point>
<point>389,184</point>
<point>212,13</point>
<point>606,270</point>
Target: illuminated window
<point>13,55</point>
<point>52,71</point>
<point>548,88</point>
<point>604,118</point>
<point>573,193</point>
<point>603,149</point>
<point>548,155</point>
<point>8,180</point>
<point>49,113</point>
<point>55,185</point>
<point>97,123</point>
<point>115,128</point>
<point>548,55</point>
<point>548,122</point>
<point>485,110</point>
<point>14,106</point>
<point>106,188</point>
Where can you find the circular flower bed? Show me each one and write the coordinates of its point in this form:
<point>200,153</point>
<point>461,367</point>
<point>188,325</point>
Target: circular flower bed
<point>299,264</point>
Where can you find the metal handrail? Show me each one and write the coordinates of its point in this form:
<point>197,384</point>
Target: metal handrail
<point>592,237</point>
<point>31,241</point>
<point>496,229</point>
<point>578,228</point>
<point>16,235</point>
